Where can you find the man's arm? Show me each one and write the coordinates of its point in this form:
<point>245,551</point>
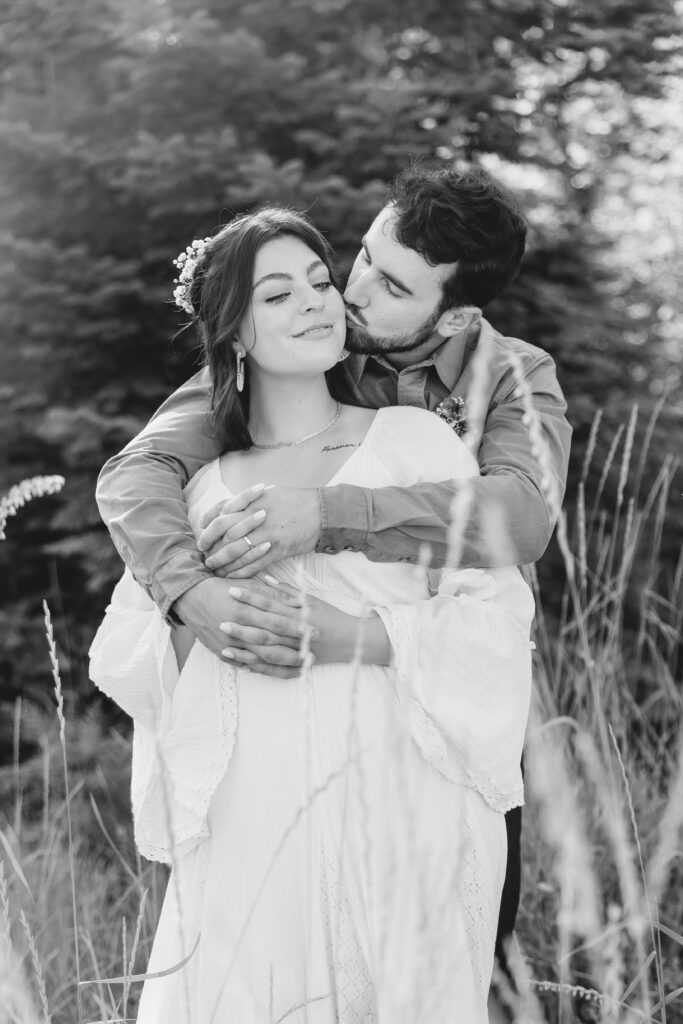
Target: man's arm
<point>140,497</point>
<point>140,494</point>
<point>510,519</point>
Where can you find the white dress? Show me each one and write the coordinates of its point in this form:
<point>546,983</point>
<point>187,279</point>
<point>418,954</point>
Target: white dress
<point>337,841</point>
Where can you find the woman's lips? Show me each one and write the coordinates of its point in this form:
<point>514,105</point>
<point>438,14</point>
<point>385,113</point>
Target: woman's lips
<point>316,330</point>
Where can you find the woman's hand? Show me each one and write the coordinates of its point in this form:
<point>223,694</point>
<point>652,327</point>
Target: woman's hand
<point>243,536</point>
<point>333,637</point>
<point>223,615</point>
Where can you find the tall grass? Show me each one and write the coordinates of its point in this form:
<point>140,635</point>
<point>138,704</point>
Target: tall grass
<point>604,903</point>
<point>599,928</point>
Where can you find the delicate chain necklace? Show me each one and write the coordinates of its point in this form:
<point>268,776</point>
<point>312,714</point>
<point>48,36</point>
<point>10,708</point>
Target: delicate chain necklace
<point>300,440</point>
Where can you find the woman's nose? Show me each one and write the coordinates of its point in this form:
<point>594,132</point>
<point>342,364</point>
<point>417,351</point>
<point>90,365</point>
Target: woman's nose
<point>313,298</point>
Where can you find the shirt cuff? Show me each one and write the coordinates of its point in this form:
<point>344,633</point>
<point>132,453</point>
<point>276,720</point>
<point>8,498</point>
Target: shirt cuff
<point>345,517</point>
<point>173,580</point>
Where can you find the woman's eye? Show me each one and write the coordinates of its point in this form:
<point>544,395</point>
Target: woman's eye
<point>323,285</point>
<point>277,298</point>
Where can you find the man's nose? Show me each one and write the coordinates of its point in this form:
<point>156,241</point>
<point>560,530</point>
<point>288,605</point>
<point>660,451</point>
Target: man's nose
<point>355,294</point>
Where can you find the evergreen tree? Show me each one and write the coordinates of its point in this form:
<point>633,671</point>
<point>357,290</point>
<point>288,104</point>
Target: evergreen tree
<point>126,129</point>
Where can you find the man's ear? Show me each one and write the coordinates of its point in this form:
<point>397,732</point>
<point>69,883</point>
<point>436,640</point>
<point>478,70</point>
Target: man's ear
<point>452,321</point>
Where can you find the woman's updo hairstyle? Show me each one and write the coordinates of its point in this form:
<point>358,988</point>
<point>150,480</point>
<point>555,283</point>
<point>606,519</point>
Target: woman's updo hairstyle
<point>221,294</point>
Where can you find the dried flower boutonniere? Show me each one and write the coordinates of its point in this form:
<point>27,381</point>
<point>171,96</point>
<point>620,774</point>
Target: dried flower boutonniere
<point>453,411</point>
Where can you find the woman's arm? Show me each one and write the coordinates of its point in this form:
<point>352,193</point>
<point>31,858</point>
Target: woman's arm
<point>182,639</point>
<point>334,637</point>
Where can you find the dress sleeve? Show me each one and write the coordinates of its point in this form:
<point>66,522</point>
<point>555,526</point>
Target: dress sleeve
<point>462,663</point>
<point>130,652</point>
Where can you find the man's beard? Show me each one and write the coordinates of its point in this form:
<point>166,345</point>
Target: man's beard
<point>360,341</point>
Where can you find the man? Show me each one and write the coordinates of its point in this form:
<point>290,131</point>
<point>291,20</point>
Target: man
<point>445,244</point>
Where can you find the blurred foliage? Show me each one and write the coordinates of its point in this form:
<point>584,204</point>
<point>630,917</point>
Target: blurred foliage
<point>127,128</point>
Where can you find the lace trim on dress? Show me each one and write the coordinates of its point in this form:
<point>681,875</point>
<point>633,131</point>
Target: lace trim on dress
<point>480,914</point>
<point>353,990</point>
<point>423,665</point>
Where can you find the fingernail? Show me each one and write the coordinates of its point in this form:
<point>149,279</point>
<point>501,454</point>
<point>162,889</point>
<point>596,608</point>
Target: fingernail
<point>228,653</point>
<point>210,563</point>
<point>234,591</point>
<point>261,514</point>
<point>264,546</point>
<point>227,627</point>
<point>270,580</point>
<point>258,487</point>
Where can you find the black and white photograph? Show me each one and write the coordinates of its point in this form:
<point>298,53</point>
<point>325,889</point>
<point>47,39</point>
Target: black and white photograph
<point>341,512</point>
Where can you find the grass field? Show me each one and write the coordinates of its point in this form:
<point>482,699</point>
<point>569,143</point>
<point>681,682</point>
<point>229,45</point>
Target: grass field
<point>599,930</point>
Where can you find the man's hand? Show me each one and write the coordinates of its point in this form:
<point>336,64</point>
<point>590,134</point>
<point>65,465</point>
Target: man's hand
<point>225,617</point>
<point>291,526</point>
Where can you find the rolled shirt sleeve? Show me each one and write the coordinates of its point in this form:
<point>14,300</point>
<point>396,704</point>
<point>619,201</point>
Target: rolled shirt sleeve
<point>140,494</point>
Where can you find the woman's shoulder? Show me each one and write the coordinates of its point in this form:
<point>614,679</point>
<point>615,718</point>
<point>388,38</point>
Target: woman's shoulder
<point>407,421</point>
<point>424,436</point>
<point>202,479</point>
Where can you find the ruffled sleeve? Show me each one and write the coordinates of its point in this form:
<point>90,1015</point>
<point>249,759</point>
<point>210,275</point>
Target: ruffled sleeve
<point>185,723</point>
<point>463,672</point>
<point>128,650</point>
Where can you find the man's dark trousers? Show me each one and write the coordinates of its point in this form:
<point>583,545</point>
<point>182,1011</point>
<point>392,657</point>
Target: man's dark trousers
<point>509,903</point>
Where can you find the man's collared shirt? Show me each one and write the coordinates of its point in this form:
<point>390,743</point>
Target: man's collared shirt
<point>510,519</point>
<point>423,385</point>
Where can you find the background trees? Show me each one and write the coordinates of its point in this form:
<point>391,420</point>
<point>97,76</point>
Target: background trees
<point>126,129</point>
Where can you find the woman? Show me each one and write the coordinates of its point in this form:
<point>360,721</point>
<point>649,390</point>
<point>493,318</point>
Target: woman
<point>337,840</point>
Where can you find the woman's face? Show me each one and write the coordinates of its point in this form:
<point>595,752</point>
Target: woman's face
<point>297,323</point>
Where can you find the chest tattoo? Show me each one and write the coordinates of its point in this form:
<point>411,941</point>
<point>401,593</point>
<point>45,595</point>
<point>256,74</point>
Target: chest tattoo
<point>336,447</point>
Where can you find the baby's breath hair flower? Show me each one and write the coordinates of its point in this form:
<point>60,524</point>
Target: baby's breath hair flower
<point>186,263</point>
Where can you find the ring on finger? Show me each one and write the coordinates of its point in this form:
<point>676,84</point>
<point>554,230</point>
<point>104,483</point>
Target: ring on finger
<point>250,543</point>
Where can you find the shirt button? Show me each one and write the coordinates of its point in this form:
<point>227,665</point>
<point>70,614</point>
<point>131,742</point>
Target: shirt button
<point>329,550</point>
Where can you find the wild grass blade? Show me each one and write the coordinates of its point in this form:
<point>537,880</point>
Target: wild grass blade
<point>52,647</point>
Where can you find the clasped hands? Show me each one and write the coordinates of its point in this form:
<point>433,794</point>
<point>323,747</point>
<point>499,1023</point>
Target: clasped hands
<point>262,626</point>
<point>278,522</point>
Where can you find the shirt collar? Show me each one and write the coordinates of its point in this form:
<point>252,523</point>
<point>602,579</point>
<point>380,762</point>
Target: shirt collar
<point>448,359</point>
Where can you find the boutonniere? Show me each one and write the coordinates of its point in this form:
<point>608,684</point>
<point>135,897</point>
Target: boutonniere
<point>453,411</point>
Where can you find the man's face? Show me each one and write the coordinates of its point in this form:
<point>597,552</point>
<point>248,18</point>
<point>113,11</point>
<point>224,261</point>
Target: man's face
<point>393,295</point>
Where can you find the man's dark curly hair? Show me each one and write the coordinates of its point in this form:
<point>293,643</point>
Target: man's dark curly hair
<point>448,215</point>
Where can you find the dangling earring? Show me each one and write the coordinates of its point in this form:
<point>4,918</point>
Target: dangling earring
<point>240,371</point>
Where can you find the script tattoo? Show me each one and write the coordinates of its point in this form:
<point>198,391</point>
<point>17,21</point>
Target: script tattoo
<point>336,447</point>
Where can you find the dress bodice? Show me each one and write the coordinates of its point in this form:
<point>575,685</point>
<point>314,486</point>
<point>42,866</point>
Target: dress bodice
<point>403,446</point>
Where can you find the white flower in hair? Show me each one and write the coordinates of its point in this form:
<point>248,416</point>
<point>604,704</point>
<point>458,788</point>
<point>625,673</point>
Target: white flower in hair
<point>186,263</point>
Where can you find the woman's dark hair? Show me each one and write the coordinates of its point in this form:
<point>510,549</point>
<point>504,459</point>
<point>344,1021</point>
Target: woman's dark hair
<point>221,294</point>
<point>447,215</point>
